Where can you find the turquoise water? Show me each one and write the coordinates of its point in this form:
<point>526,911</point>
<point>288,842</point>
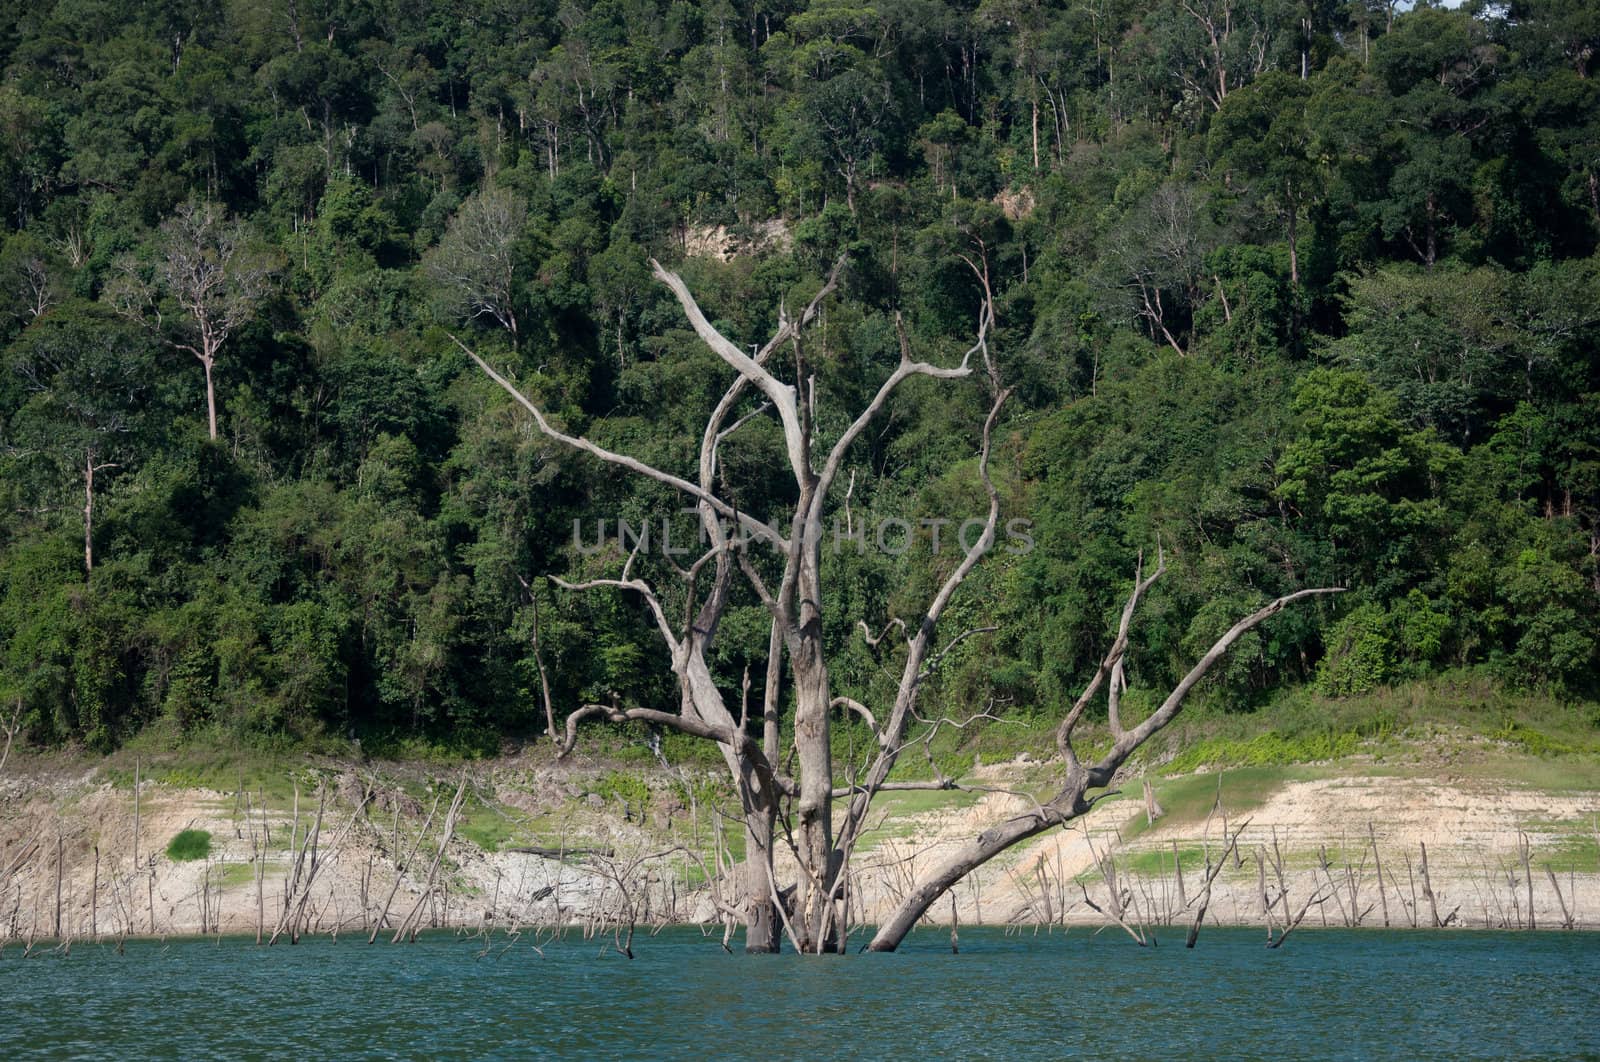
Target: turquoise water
<point>1346,994</point>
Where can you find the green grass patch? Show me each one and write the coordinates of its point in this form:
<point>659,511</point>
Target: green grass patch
<point>1579,850</point>
<point>211,760</point>
<point>234,875</point>
<point>1537,742</point>
<point>627,788</point>
<point>904,803</point>
<point>492,828</point>
<point>1264,750</point>
<point>893,811</point>
<point>462,745</point>
<point>1188,799</point>
<point>1458,712</point>
<point>189,845</point>
<point>1570,775</point>
<point>1159,861</point>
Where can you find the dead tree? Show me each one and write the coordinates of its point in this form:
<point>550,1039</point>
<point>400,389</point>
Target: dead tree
<point>412,923</point>
<point>1117,896</point>
<point>1276,938</point>
<point>1377,865</point>
<point>538,660</point>
<point>1568,917</point>
<point>401,866</point>
<point>209,270</point>
<point>1229,846</point>
<point>1525,854</point>
<point>474,264</point>
<point>11,726</point>
<point>791,590</point>
<point>1427,889</point>
<point>307,865</point>
<point>797,809</point>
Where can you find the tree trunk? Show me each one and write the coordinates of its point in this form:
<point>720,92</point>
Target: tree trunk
<point>762,926</point>
<point>973,855</point>
<point>88,512</point>
<point>814,833</point>
<point>1294,253</point>
<point>1034,104</point>
<point>763,932</point>
<point>211,397</point>
<point>703,700</point>
<point>538,660</point>
<point>1431,253</point>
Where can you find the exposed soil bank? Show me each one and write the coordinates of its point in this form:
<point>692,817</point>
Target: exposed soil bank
<point>536,845</point>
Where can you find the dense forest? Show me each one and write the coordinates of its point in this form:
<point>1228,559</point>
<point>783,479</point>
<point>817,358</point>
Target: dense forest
<point>1305,291</point>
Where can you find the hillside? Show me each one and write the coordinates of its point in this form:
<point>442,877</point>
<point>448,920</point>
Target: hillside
<point>1309,302</point>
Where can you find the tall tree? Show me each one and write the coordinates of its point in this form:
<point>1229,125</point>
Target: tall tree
<point>209,268</point>
<point>1261,137</point>
<point>87,376</point>
<point>476,262</point>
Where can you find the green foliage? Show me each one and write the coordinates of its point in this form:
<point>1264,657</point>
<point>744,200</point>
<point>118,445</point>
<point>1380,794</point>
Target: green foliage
<point>1265,750</point>
<point>189,845</point>
<point>1305,308</point>
<point>490,826</point>
<point>1360,655</point>
<point>627,789</point>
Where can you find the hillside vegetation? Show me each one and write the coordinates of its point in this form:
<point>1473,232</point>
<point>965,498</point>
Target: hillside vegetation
<point>1305,292</point>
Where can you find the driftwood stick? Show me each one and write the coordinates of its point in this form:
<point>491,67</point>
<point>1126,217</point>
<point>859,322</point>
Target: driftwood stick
<point>1427,887</point>
<point>135,867</point>
<point>1567,919</point>
<point>1212,870</point>
<point>1525,849</point>
<point>11,728</point>
<point>56,933</point>
<point>1377,863</point>
<point>399,868</point>
<point>411,920</point>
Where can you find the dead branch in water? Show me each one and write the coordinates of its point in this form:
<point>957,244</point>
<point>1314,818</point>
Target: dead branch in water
<point>412,920</point>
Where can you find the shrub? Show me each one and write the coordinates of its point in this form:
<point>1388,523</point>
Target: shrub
<point>189,846</point>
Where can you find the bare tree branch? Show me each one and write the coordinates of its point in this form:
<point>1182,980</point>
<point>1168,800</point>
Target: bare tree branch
<point>756,527</point>
<point>1073,800</point>
<point>861,710</point>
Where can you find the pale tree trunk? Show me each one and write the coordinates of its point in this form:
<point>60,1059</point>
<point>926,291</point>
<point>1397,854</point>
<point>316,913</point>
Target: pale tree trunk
<point>211,398</point>
<point>11,728</point>
<point>538,662</point>
<point>763,924</point>
<point>88,513</point>
<point>758,800</point>
<point>968,858</point>
<point>89,469</point>
<point>814,827</point>
<point>1294,252</point>
<point>210,270</point>
<point>763,929</point>
<point>1033,103</point>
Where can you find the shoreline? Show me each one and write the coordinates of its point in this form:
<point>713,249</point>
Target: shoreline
<point>1171,935</point>
<point>585,847</point>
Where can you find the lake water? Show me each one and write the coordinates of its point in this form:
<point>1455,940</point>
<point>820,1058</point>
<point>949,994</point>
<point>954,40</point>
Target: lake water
<point>1353,994</point>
